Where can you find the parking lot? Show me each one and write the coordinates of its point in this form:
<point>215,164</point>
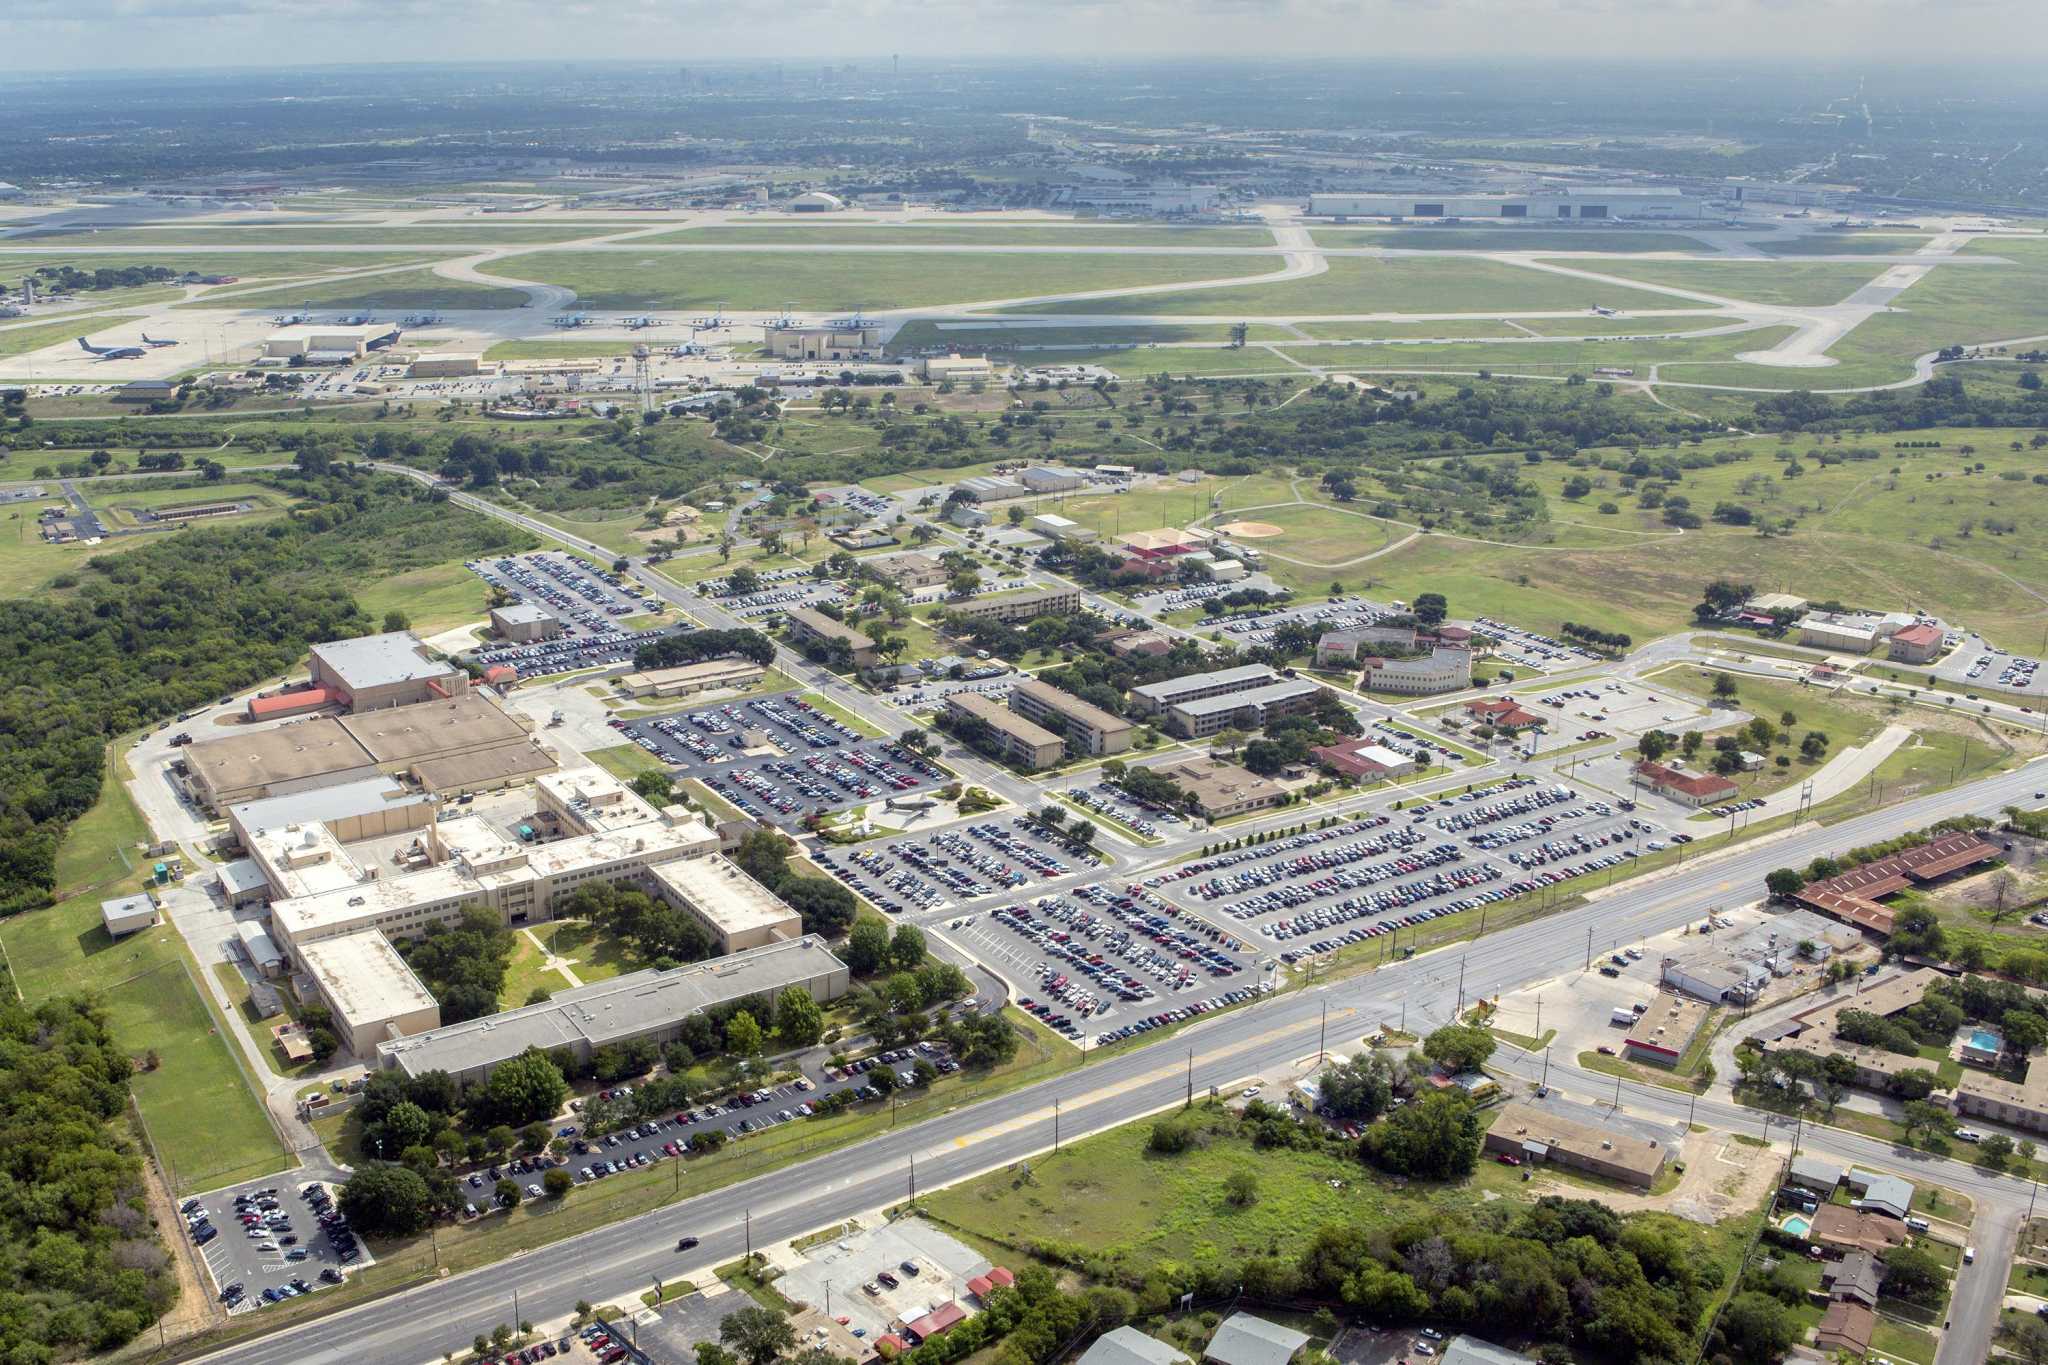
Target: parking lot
<point>1602,708</point>
<point>264,1243</point>
<point>1105,799</point>
<point>880,1277</point>
<point>778,757</point>
<point>1378,874</point>
<point>953,866</point>
<point>586,600</point>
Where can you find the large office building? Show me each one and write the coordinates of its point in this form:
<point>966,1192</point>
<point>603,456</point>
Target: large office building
<point>1253,708</point>
<point>685,679</point>
<point>846,340</point>
<point>1559,203</point>
<point>1029,744</point>
<point>909,571</point>
<point>1154,698</point>
<point>807,624</point>
<point>1220,789</point>
<point>735,910</point>
<point>1842,634</point>
<point>371,992</point>
<point>375,671</point>
<point>1089,729</point>
<point>1023,606</point>
<point>649,1005</point>
<point>1171,200</point>
<point>1446,668</point>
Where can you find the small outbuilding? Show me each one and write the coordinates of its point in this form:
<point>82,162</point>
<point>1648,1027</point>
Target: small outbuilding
<point>127,914</point>
<point>1246,1340</point>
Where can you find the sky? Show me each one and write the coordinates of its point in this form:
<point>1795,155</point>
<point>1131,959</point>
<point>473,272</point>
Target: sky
<point>99,35</point>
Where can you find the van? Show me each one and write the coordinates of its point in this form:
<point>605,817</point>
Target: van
<point>1969,1255</point>
<point>1917,1224</point>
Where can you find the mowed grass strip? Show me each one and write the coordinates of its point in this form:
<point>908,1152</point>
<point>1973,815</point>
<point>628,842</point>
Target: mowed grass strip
<point>197,1104</point>
<point>1792,283</point>
<point>391,290</point>
<point>1503,239</point>
<point>868,279</point>
<point>966,234</point>
<point>1402,284</point>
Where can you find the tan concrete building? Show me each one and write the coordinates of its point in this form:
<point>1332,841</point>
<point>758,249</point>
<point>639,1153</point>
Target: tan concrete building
<point>908,571</point>
<point>1222,789</point>
<point>1032,746</point>
<point>371,992</point>
<point>738,912</point>
<point>807,624</point>
<point>1024,606</point>
<point>828,341</point>
<point>687,679</point>
<point>524,622</point>
<point>937,368</point>
<point>445,365</point>
<point>1537,1137</point>
<point>376,671</point>
<point>1088,728</point>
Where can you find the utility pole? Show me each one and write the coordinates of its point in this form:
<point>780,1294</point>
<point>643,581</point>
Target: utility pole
<point>1323,1035</point>
<point>515,1308</point>
<point>1539,1019</point>
<point>913,1184</point>
<point>1055,1124</point>
<point>1544,1084</point>
<point>1455,1014</point>
<point>1617,1092</point>
<point>1691,1105</point>
<point>1191,1080</point>
<point>1589,947</point>
<point>748,1216</point>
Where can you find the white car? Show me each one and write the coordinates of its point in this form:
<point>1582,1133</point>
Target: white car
<point>1968,1135</point>
<point>1251,1092</point>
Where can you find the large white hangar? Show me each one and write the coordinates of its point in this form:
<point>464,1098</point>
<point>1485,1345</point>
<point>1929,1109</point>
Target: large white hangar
<point>1550,205</point>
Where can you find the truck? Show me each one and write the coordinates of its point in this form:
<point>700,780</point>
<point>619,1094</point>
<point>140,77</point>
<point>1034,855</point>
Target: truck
<point>1622,1017</point>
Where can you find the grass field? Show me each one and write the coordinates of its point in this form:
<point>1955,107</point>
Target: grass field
<point>200,1111</point>
<point>118,509</point>
<point>1797,283</point>
<point>228,235</point>
<point>249,265</point>
<point>1840,244</point>
<point>1181,361</point>
<point>1503,239</point>
<point>1168,504</point>
<point>21,340</point>
<point>854,232</point>
<point>1542,357</point>
<point>847,279</point>
<point>1318,535</point>
<point>393,290</point>
<point>432,599</point>
<point>1407,284</point>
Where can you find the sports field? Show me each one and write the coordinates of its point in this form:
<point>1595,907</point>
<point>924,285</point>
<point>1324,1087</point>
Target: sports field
<point>1315,535</point>
<point>828,279</point>
<point>1402,284</point>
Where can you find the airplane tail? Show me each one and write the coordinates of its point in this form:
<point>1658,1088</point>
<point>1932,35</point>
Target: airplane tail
<point>88,347</point>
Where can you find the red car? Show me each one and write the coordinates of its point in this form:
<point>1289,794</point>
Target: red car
<point>1508,1159</point>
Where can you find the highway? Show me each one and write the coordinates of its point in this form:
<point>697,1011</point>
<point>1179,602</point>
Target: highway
<point>616,1262</point>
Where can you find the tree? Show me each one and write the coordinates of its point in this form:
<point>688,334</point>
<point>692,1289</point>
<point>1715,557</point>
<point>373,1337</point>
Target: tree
<point>1724,686</point>
<point>406,1125</point>
<point>867,947</point>
<point>386,1201</point>
<point>1652,745</point>
<point>743,1035</point>
<point>1994,1150</point>
<point>1430,608</point>
<point>1241,1189</point>
<point>798,1020</point>
<point>758,1335</point>
<point>1915,1276</point>
<point>1784,881</point>
<point>1459,1047</point>
<point>1433,1138</point>
<point>654,786</point>
<point>507,1193</point>
<point>526,1089</point>
<point>824,906</point>
<point>906,947</point>
<point>1757,1328</point>
<point>1360,1088</point>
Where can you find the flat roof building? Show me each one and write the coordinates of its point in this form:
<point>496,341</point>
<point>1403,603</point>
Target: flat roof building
<point>1089,729</point>
<point>1220,789</point>
<point>1252,708</point>
<point>367,808</point>
<point>445,365</point>
<point>848,340</point>
<point>1446,668</point>
<point>276,762</point>
<point>734,909</point>
<point>909,571</point>
<point>1534,1135</point>
<point>1550,204</point>
<point>1023,606</point>
<point>127,914</point>
<point>1055,527</point>
<point>373,995</point>
<point>521,622</point>
<point>1153,698</point>
<point>1843,634</point>
<point>1030,745</point>
<point>393,669</point>
<point>686,679</point>
<point>1664,1031</point>
<point>646,1004</point>
<point>808,625</point>
<point>1363,760</point>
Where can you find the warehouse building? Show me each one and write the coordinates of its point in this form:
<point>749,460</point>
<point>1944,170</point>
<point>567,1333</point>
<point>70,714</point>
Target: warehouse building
<point>817,201</point>
<point>807,624</point>
<point>1221,790</point>
<point>445,365</point>
<point>1537,1137</point>
<point>1559,203</point>
<point>1842,634</point>
<point>1253,708</point>
<point>1089,729</point>
<point>847,340</point>
<point>1046,479</point>
<point>1023,606</point>
<point>937,369</point>
<point>735,910</point>
<point>337,341</point>
<point>1029,745</point>
<point>649,1005</point>
<point>524,622</point>
<point>368,808</point>
<point>393,669</point>
<point>1170,200</point>
<point>991,488</point>
<point>686,679</point>
<point>1153,698</point>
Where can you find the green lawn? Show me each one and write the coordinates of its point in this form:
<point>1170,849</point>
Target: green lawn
<point>625,761</point>
<point>198,1105</point>
<point>828,279</point>
<point>249,265</point>
<point>21,340</point>
<point>1169,504</point>
<point>1407,284</point>
<point>227,236</point>
<point>1838,244</point>
<point>390,291</point>
<point>433,599</point>
<point>1844,722</point>
<point>1026,337</point>
<point>853,232</point>
<point>1558,357</point>
<point>1503,239</point>
<point>1903,1341</point>
<point>1797,283</point>
<point>1198,361</point>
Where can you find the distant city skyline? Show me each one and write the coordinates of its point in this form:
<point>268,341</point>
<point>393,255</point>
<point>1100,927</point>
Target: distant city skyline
<point>53,35</point>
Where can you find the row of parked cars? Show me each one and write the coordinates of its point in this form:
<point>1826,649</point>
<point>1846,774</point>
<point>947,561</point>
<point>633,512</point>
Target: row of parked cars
<point>1175,1016</point>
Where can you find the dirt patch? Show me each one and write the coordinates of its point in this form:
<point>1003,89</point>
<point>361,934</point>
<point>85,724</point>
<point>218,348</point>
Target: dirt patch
<point>196,1310</point>
<point>1252,530</point>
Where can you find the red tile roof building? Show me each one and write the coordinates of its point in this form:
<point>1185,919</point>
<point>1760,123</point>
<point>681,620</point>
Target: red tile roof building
<point>1692,789</point>
<point>1916,644</point>
<point>1502,714</point>
<point>1854,896</point>
<point>941,1319</point>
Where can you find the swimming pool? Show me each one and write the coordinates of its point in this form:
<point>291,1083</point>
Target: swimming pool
<point>1984,1040</point>
<point>1797,1225</point>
